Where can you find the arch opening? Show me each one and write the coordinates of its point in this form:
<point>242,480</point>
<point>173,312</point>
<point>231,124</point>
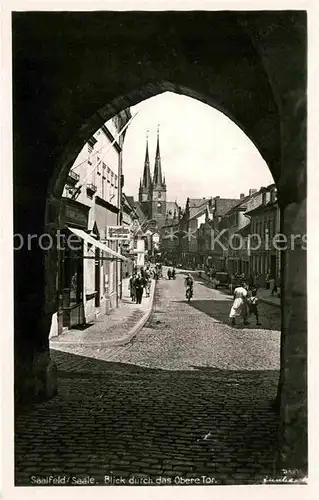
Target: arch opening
<point>54,123</point>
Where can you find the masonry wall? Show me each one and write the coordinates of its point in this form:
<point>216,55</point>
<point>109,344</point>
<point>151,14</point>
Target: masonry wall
<point>61,97</point>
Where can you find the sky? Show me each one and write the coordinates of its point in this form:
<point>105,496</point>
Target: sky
<point>203,152</point>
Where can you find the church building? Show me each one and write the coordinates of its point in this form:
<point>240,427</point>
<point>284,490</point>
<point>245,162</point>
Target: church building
<point>152,193</point>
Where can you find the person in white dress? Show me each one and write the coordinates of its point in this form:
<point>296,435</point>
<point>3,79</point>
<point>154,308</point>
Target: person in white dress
<point>239,307</point>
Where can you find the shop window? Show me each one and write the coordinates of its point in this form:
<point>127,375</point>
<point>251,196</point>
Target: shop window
<point>72,280</point>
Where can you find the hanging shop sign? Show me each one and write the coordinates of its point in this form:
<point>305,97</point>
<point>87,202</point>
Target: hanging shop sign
<point>117,233</point>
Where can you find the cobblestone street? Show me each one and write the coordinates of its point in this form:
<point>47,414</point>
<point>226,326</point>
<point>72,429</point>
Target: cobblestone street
<point>189,397</point>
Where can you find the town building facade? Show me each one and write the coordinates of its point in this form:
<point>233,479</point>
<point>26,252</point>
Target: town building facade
<point>210,249</point>
<point>89,271</point>
<point>237,235</point>
<point>265,254</point>
<point>234,226</point>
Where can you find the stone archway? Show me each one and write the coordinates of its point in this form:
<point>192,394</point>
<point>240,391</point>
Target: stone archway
<point>236,62</point>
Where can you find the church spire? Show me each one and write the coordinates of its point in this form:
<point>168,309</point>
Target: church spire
<point>147,173</point>
<point>157,180</point>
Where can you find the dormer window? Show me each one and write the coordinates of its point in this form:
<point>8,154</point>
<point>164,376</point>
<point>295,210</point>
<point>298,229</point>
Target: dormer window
<point>264,198</point>
<point>273,194</point>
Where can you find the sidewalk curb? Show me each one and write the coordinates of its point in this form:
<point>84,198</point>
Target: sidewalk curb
<point>118,342</point>
<point>139,325</point>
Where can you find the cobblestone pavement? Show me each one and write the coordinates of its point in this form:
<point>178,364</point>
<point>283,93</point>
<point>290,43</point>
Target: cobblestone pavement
<point>187,402</point>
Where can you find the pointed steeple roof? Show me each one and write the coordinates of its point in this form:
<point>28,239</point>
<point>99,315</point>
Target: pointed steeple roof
<point>147,172</point>
<point>157,179</point>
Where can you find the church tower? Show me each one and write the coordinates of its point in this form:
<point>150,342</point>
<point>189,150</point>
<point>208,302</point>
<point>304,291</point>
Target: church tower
<point>159,189</point>
<point>145,189</point>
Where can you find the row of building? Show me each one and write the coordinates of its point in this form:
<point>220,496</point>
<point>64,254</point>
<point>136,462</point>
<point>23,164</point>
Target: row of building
<point>230,235</point>
<point>115,233</point>
<point>105,233</point>
<point>91,266</point>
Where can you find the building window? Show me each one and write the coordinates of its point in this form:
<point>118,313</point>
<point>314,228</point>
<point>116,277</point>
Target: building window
<point>115,181</point>
<point>108,174</point>
<point>112,178</point>
<point>103,187</point>
<point>159,208</point>
<point>90,149</point>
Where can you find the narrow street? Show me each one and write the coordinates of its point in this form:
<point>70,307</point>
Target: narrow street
<point>189,397</point>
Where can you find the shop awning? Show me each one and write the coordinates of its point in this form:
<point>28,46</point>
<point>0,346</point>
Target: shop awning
<point>96,243</point>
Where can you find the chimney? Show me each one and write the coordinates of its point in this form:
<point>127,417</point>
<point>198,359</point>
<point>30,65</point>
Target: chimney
<point>241,196</point>
<point>252,191</point>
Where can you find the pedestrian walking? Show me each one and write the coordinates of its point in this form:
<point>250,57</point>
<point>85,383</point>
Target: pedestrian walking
<point>148,286</point>
<point>257,281</point>
<point>253,302</point>
<point>131,286</point>
<point>139,287</point>
<point>239,307</point>
<point>169,274</point>
<point>268,280</point>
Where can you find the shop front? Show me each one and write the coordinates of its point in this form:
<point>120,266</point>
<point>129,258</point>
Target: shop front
<point>70,309</point>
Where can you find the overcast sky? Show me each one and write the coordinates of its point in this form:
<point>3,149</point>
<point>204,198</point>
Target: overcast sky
<point>203,152</point>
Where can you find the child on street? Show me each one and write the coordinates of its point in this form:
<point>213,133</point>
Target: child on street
<point>253,302</point>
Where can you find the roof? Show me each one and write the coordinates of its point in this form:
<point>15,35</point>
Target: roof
<point>197,206</point>
<point>130,199</point>
<point>126,204</point>
<point>263,207</point>
<point>223,205</point>
<point>242,204</point>
<point>196,202</point>
<point>137,206</point>
<point>172,206</point>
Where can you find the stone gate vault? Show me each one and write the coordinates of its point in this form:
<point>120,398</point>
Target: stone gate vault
<point>73,71</point>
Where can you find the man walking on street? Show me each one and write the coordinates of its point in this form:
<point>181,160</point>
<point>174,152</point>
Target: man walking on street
<point>131,286</point>
<point>189,284</point>
<point>139,286</point>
